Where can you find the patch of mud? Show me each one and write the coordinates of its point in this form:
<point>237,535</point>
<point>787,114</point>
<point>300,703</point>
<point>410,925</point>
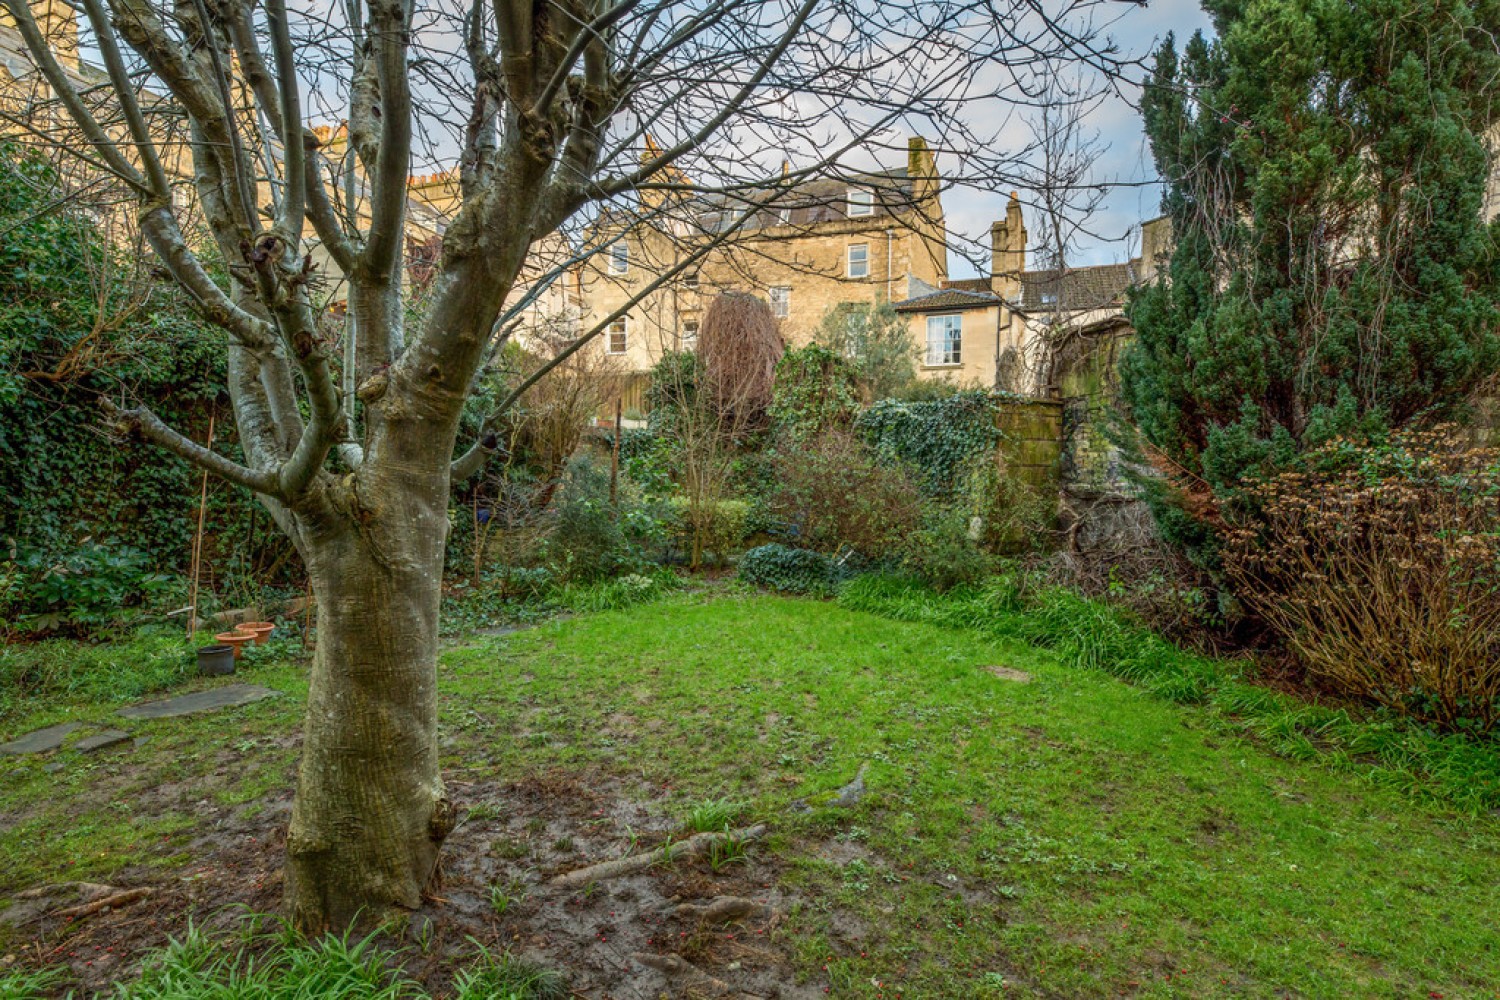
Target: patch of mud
<point>681,930</point>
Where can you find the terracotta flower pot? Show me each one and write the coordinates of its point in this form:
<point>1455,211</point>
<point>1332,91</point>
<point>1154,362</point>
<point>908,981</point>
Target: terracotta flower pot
<point>235,639</point>
<point>261,630</point>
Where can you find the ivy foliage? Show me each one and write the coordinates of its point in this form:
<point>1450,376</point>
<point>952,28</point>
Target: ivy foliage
<point>1333,273</point>
<point>794,571</point>
<point>814,392</point>
<point>89,525</point>
<point>940,438</point>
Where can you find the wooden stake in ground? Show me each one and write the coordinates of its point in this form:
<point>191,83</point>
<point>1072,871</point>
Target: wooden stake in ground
<point>192,622</point>
<point>614,455</point>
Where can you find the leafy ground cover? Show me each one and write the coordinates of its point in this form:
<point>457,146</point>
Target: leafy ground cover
<point>1027,828</point>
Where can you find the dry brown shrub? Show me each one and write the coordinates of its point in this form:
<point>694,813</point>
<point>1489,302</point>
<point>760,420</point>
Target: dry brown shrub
<point>1380,568</point>
<point>738,347</point>
<point>840,494</point>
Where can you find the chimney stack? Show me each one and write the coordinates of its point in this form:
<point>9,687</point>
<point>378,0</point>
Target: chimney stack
<point>1008,250</point>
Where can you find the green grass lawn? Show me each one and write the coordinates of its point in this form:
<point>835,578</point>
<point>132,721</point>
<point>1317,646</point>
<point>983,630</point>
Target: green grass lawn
<point>1072,836</point>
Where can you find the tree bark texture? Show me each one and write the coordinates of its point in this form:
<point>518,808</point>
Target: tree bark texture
<point>371,812</point>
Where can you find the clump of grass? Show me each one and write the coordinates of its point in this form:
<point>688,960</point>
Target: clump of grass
<point>616,594</point>
<point>1456,770</point>
<point>506,977</point>
<point>729,851</point>
<point>503,897</point>
<point>713,816</point>
<point>18,984</point>
<point>196,967</point>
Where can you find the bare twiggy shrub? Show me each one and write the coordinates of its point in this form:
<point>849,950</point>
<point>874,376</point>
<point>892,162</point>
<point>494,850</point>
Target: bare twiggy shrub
<point>710,404</point>
<point>539,434</point>
<point>839,493</point>
<point>738,347</point>
<point>1380,566</point>
<point>553,413</point>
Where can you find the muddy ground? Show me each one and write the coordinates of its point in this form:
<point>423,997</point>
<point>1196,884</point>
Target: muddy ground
<point>688,928</point>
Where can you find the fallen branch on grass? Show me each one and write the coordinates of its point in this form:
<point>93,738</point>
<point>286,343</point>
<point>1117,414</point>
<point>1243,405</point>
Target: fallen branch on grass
<point>695,846</point>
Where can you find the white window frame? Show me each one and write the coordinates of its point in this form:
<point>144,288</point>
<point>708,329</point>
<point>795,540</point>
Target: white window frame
<point>859,203</point>
<point>779,297</point>
<point>619,328</point>
<point>689,334</point>
<point>691,279</point>
<point>946,351</point>
<point>863,262</point>
<point>619,258</point>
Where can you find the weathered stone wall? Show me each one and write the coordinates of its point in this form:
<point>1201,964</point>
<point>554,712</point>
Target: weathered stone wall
<point>1102,510</point>
<point>1032,440</point>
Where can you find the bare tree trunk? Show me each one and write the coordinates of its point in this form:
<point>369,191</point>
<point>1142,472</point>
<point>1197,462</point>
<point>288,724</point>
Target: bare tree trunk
<point>371,812</point>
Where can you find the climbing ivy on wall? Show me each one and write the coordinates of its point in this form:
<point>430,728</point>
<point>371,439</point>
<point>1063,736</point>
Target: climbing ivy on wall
<point>814,392</point>
<point>938,438</point>
<point>74,495</point>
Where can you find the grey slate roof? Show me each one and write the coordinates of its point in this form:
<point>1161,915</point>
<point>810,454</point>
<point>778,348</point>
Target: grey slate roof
<point>1077,287</point>
<point>811,202</point>
<point>947,300</point>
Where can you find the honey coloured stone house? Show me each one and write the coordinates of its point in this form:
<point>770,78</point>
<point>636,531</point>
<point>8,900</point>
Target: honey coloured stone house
<point>809,248</point>
<point>1019,330</point>
<point>548,285</point>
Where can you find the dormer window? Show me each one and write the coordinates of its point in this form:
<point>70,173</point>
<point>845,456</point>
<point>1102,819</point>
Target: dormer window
<point>860,203</point>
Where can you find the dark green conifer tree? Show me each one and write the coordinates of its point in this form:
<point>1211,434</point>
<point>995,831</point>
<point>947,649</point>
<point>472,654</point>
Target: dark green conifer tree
<point>1333,272</point>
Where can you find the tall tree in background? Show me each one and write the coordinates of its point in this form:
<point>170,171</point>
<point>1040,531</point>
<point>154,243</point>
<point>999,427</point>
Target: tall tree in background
<point>1325,169</point>
<point>553,112</point>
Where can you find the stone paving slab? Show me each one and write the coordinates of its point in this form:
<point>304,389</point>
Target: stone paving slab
<point>43,739</point>
<point>199,701</point>
<point>99,741</point>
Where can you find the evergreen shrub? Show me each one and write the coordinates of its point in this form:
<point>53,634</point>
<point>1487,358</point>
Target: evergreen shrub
<point>795,571</point>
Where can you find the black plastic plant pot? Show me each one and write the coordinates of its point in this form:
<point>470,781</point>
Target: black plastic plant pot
<point>215,661</point>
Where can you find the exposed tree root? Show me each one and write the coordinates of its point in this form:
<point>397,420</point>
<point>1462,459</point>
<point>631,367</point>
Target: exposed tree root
<point>695,846</point>
<point>685,974</point>
<point>112,901</point>
<point>723,910</point>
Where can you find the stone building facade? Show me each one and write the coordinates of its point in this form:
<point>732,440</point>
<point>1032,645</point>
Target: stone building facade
<point>551,311</point>
<point>819,245</point>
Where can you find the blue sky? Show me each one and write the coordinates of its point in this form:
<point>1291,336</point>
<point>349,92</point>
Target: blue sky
<point>1126,157</point>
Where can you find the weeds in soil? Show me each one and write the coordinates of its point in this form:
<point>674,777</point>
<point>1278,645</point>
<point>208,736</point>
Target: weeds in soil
<point>17,984</point>
<point>506,977</point>
<point>729,851</point>
<point>503,897</point>
<point>283,967</point>
<point>196,967</point>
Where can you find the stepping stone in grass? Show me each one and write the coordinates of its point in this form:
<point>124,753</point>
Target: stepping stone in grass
<point>42,740</point>
<point>100,741</point>
<point>1010,674</point>
<point>199,701</point>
